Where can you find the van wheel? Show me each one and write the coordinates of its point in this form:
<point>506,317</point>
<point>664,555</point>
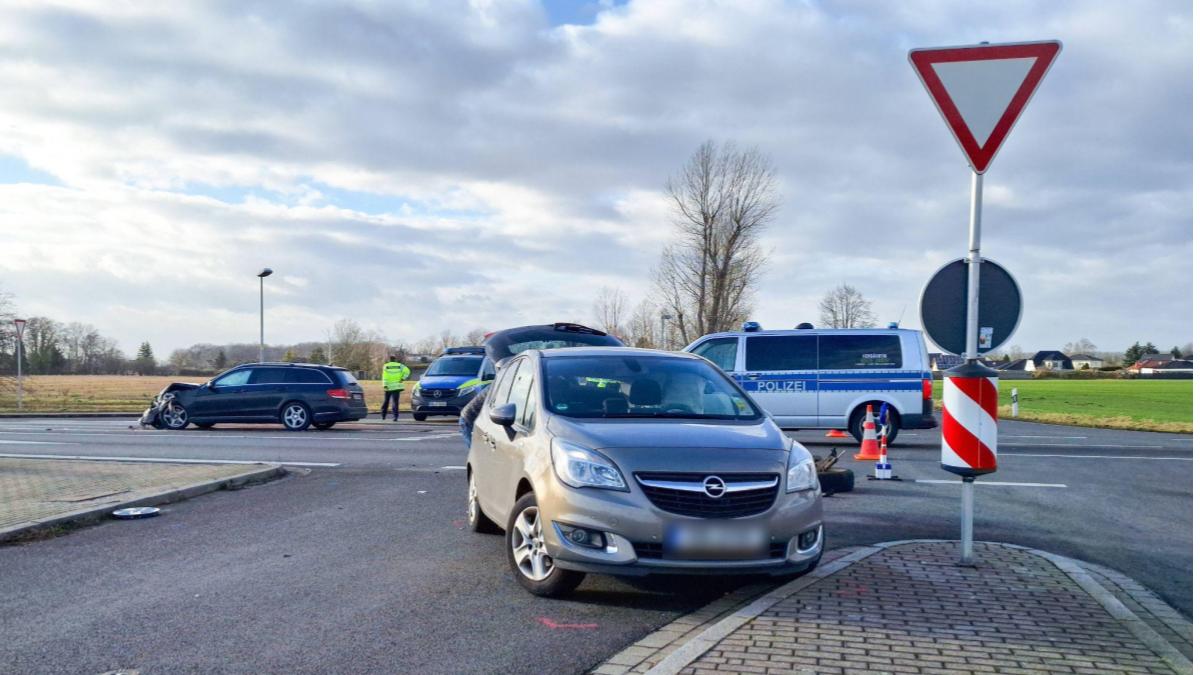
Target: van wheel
<point>418,417</point>
<point>295,416</point>
<point>527,557</point>
<point>475,518</point>
<point>860,416</point>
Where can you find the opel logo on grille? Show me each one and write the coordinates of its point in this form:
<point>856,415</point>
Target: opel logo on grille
<point>437,393</point>
<point>714,487</point>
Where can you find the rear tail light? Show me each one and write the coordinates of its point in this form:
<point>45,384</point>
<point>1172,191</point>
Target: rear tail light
<point>338,393</point>
<point>927,389</point>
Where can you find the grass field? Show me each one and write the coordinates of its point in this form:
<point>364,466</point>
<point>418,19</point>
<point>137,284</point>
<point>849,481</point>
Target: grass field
<point>123,393</point>
<point>1151,405</point>
<point>1148,405</point>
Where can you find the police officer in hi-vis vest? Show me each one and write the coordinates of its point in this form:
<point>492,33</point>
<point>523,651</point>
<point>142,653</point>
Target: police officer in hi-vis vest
<point>394,374</point>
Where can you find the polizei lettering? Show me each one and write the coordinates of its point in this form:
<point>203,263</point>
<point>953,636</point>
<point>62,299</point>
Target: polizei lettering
<point>780,386</point>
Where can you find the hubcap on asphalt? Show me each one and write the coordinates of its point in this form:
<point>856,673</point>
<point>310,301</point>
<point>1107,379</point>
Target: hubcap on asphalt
<point>472,500</point>
<point>529,547</point>
<point>294,416</point>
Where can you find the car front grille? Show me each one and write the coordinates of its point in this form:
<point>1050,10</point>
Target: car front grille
<point>438,394</point>
<point>654,551</point>
<point>689,499</point>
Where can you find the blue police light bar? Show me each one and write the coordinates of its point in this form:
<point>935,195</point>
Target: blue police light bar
<point>751,327</point>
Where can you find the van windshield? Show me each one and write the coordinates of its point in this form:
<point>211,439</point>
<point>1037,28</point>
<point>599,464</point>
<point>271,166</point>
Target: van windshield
<point>455,365</point>
<point>624,386</point>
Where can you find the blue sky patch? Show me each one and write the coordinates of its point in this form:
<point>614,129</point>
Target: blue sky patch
<point>17,170</point>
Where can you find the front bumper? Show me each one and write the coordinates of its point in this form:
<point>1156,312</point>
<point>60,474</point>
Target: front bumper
<point>440,406</point>
<point>635,531</point>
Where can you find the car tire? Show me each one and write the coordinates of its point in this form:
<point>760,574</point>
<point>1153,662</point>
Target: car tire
<point>535,570</point>
<point>295,416</point>
<point>836,480</point>
<point>476,520</point>
<point>175,417</point>
<point>204,425</point>
<point>419,417</point>
<point>860,416</point>
<point>322,426</point>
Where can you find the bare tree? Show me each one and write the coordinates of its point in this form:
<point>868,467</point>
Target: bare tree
<point>476,337</point>
<point>643,327</point>
<point>723,199</point>
<point>1084,346</point>
<point>845,307</point>
<point>609,309</point>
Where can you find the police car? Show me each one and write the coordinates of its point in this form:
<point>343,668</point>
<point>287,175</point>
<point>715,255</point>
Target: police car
<point>449,383</point>
<point>825,378</point>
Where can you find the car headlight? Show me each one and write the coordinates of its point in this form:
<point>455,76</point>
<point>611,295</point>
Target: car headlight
<point>802,473</point>
<point>579,467</point>
<point>470,389</point>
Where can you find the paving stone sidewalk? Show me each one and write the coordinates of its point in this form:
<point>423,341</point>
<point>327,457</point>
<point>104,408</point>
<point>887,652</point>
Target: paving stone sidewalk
<point>910,608</point>
<point>34,491</point>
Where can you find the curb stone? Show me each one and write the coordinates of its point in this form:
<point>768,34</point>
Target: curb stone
<point>677,655</point>
<point>95,514</point>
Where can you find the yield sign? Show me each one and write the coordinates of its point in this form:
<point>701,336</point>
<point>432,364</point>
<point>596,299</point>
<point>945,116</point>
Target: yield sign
<point>982,90</point>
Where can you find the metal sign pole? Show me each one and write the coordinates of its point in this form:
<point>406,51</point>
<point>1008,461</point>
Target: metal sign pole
<point>20,383</point>
<point>974,231</point>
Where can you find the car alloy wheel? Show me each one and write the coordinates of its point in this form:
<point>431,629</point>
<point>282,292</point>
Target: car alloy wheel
<point>472,501</point>
<point>295,416</point>
<point>175,416</point>
<point>529,546</point>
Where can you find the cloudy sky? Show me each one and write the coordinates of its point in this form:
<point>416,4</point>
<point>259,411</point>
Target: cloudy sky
<point>453,164</point>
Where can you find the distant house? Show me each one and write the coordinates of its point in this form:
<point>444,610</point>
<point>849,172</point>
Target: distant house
<point>1018,364</point>
<point>1152,364</point>
<point>1081,360</point>
<point>939,361</point>
<point>1151,361</point>
<point>1051,360</point>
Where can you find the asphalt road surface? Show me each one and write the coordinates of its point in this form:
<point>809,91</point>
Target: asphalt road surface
<point>359,561</point>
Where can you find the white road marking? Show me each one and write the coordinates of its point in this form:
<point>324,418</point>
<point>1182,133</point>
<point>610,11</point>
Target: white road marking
<point>463,468</point>
<point>998,483</point>
<point>426,436</point>
<point>35,443</point>
<point>1077,438</point>
<point>193,435</point>
<point>163,460</point>
<point>1087,445</point>
<point>1030,454</point>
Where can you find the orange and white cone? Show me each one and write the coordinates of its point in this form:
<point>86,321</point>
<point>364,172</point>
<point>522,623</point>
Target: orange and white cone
<point>869,449</point>
<point>883,468</point>
<point>836,433</point>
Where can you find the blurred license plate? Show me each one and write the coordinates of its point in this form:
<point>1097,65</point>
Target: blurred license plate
<point>356,397</point>
<point>715,541</point>
<point>437,404</point>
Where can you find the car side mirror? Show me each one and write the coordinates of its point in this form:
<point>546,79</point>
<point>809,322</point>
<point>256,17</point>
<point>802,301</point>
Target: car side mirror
<point>488,377</point>
<point>505,415</point>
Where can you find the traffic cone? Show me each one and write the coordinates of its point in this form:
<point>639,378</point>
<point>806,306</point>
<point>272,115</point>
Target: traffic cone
<point>837,433</point>
<point>883,468</point>
<point>869,450</point>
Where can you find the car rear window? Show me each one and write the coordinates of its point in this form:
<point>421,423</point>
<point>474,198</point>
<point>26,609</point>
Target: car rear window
<point>306,376</point>
<point>851,352</point>
<point>346,377</point>
<point>781,352</point>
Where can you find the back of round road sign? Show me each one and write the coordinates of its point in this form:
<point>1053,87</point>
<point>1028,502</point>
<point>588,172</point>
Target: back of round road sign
<point>944,307</point>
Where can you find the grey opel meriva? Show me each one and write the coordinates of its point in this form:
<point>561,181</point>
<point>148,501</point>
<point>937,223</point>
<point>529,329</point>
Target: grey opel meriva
<point>633,461</point>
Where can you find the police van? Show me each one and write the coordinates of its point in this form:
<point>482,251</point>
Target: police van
<point>825,378</point>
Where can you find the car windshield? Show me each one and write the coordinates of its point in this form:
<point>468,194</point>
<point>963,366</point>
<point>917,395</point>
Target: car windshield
<point>455,365</point>
<point>628,386</point>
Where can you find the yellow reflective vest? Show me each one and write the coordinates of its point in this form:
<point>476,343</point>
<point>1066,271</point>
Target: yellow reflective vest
<point>394,374</point>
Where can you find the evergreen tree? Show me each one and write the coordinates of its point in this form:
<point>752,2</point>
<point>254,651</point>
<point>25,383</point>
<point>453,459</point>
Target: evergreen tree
<point>289,356</point>
<point>220,361</point>
<point>1175,353</point>
<point>1150,349</point>
<point>1134,353</point>
<point>144,363</point>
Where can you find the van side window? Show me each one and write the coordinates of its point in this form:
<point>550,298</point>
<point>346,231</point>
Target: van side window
<point>849,352</point>
<point>722,352</point>
<point>781,352</point>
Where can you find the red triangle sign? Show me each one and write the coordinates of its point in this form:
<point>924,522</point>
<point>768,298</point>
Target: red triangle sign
<point>981,90</point>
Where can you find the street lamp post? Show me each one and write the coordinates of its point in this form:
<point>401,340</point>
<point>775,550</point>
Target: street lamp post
<point>663,327</point>
<point>267,271</point>
<point>20,324</point>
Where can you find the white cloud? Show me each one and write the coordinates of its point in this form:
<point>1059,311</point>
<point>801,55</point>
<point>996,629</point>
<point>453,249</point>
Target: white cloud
<point>420,166</point>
